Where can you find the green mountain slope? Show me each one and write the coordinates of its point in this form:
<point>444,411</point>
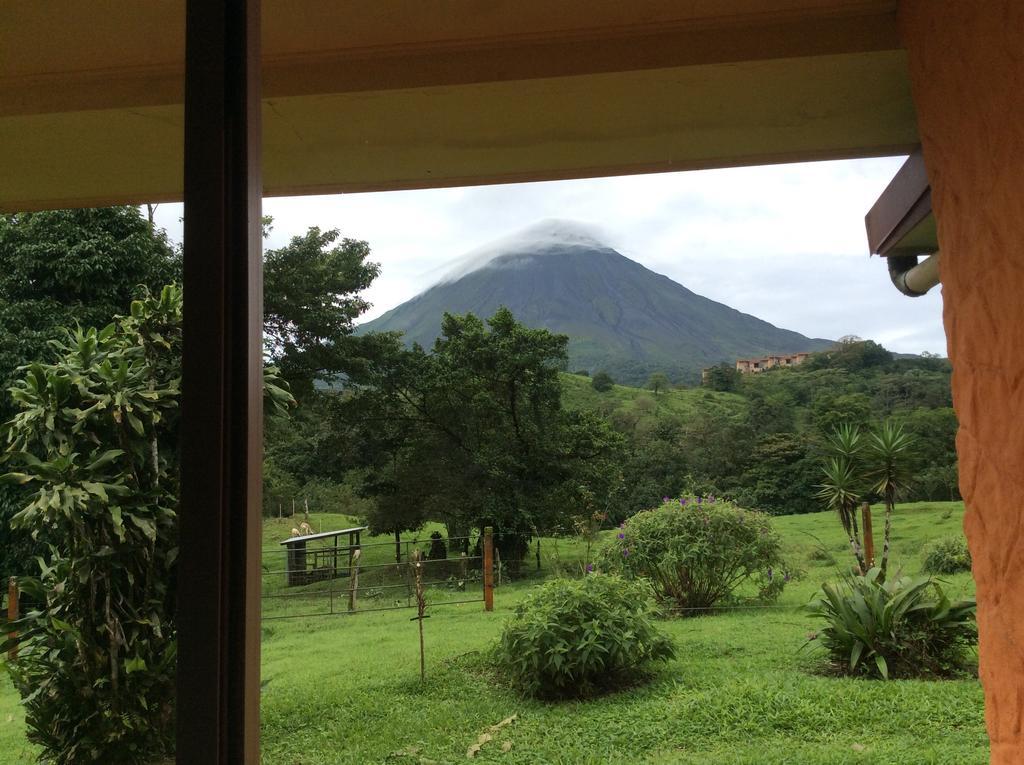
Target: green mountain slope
<point>620,316</point>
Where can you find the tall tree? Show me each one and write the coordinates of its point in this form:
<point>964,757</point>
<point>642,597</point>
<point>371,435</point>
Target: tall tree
<point>311,298</point>
<point>658,382</point>
<point>64,268</point>
<point>480,434</point>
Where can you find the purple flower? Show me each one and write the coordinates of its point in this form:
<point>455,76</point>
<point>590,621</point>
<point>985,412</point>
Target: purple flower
<point>682,501</point>
<point>785,578</point>
<point>700,500</point>
<point>590,567</point>
<point>664,499</point>
<point>770,574</point>
<point>625,553</point>
<point>622,525</point>
<point>621,535</point>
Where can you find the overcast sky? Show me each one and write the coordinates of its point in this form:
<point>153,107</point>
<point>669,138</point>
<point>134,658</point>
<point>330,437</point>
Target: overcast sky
<point>785,243</point>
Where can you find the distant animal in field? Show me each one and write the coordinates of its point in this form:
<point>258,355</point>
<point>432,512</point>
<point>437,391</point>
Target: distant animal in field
<point>305,529</point>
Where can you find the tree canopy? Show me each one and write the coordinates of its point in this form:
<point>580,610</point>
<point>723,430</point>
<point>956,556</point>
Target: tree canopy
<point>311,298</point>
<point>473,433</point>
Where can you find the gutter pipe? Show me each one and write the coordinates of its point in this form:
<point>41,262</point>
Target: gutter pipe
<point>911,277</point>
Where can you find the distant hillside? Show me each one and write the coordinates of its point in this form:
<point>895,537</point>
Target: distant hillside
<point>620,316</point>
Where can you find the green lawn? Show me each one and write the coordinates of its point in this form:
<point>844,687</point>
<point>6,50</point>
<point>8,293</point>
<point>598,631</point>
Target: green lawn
<point>346,689</point>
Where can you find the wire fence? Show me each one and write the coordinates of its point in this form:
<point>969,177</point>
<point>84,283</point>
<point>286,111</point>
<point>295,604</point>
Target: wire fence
<point>321,576</point>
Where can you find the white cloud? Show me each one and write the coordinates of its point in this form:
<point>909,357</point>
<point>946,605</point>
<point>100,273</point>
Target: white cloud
<point>783,242</point>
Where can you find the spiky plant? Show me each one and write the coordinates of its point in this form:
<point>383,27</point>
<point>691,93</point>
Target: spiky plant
<point>887,459</point>
<point>843,486</point>
<point>841,491</point>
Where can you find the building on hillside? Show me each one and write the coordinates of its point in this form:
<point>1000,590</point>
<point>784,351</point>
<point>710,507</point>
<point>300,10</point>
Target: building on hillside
<point>751,366</point>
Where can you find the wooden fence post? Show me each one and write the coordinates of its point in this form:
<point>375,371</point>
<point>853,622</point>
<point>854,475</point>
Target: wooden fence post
<point>488,568</point>
<point>12,614</point>
<point>869,539</point>
<point>353,579</point>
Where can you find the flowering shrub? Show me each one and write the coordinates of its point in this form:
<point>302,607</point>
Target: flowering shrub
<point>573,637</point>
<point>947,556</point>
<point>697,551</point>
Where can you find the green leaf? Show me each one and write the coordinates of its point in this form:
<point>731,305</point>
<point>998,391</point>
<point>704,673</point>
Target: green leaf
<point>135,664</point>
<point>145,525</point>
<point>104,459</point>
<point>115,515</point>
<point>882,666</point>
<point>16,478</point>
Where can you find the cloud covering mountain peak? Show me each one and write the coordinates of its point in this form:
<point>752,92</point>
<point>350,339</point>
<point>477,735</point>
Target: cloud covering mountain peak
<point>548,236</point>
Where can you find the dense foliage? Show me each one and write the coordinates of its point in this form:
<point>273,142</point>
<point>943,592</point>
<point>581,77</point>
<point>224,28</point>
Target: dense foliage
<point>759,438</point>
<point>473,434</point>
<point>311,299</point>
<point>575,637</point>
<point>64,268</point>
<point>947,556</point>
<point>892,628</point>
<point>696,552</point>
<point>95,439</point>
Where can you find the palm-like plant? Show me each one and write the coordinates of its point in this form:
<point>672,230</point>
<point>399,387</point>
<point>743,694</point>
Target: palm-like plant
<point>843,484</point>
<point>841,490</point>
<point>887,456</point>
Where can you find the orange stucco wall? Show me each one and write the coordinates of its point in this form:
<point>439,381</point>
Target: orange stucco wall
<point>967,73</point>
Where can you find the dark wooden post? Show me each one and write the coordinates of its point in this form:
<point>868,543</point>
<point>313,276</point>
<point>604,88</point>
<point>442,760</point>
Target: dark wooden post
<point>12,614</point>
<point>869,539</point>
<point>222,395</point>
<point>488,569</point>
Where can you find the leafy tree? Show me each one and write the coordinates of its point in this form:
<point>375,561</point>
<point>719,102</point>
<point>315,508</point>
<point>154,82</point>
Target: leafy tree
<point>475,434</point>
<point>60,269</point>
<point>658,382</point>
<point>66,267</point>
<point>723,377</point>
<point>833,411</point>
<point>602,382</point>
<point>311,298</point>
<point>781,476</point>
<point>95,438</point>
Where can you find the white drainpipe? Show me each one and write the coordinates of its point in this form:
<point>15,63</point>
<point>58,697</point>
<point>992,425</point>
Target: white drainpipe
<point>913,278</point>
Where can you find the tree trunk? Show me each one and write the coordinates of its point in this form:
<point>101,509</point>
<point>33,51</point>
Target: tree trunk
<point>890,500</point>
<point>858,549</point>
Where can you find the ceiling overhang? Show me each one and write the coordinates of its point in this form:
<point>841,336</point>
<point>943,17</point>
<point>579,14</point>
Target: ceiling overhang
<point>397,94</point>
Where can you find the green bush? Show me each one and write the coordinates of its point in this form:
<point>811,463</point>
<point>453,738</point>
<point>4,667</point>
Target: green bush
<point>602,382</point>
<point>900,627</point>
<point>95,444</point>
<point>697,552</point>
<point>947,556</point>
<point>575,637</point>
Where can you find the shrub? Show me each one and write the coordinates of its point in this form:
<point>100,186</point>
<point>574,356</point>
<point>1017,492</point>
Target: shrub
<point>697,552</point>
<point>574,637</point>
<point>947,556</point>
<point>900,627</point>
<point>95,441</point>
<point>602,382</point>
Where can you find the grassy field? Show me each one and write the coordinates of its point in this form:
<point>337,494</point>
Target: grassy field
<point>346,689</point>
<point>579,393</point>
